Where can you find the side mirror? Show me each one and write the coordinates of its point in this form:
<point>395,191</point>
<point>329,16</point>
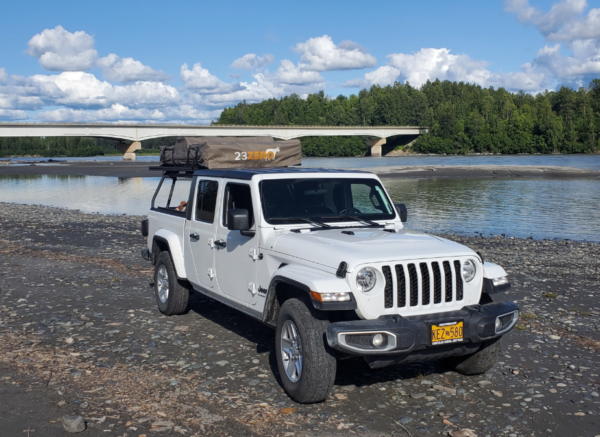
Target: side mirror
<point>401,208</point>
<point>239,220</point>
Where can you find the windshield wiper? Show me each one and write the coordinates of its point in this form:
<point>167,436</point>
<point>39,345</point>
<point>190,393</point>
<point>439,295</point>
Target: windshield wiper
<point>305,220</point>
<point>356,219</point>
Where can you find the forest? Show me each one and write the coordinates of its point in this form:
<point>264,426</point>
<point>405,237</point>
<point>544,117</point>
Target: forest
<point>461,118</point>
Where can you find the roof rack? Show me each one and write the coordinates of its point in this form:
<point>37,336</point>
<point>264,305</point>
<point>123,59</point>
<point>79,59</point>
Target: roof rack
<point>176,168</point>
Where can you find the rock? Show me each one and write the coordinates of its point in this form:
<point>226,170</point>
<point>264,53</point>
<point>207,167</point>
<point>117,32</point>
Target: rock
<point>181,328</point>
<point>404,420</point>
<point>483,383</point>
<point>417,395</point>
<point>463,433</point>
<point>451,391</point>
<point>426,382</point>
<point>554,337</point>
<point>497,393</point>
<point>222,363</point>
<point>288,410</point>
<point>73,424</point>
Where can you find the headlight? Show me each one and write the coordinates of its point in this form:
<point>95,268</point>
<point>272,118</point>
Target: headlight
<point>366,279</point>
<point>468,270</point>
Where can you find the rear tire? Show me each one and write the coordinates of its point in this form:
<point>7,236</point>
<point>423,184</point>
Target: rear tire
<point>306,363</point>
<point>479,362</point>
<point>172,295</point>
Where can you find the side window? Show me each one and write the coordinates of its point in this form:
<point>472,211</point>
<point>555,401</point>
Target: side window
<point>206,201</point>
<point>173,194</point>
<point>237,196</point>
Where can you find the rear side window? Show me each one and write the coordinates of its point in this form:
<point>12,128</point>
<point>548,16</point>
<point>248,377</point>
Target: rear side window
<point>172,194</point>
<point>206,201</point>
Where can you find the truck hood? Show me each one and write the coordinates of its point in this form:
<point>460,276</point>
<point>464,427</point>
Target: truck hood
<point>330,247</point>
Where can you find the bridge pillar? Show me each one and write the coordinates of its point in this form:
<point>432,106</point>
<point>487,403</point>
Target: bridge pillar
<point>376,146</point>
<point>128,150</point>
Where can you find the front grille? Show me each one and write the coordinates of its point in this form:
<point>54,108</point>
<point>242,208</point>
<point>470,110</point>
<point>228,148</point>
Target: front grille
<point>389,287</point>
<point>422,283</point>
<point>459,283</point>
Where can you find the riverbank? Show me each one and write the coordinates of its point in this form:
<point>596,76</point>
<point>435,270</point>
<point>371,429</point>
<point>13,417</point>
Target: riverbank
<point>80,334</point>
<point>124,169</point>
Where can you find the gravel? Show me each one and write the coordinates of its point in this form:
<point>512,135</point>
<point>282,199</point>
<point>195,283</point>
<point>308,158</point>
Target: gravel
<point>80,335</point>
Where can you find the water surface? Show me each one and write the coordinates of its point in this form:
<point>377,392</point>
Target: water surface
<point>542,208</point>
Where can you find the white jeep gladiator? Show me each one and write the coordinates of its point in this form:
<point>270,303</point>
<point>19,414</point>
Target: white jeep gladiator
<point>323,257</point>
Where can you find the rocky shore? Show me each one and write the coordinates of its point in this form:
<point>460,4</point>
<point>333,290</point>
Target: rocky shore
<point>124,169</point>
<point>80,334</point>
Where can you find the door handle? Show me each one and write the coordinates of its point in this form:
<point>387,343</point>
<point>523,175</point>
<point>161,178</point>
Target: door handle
<point>195,236</point>
<point>221,243</point>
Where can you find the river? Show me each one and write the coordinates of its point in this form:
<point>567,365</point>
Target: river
<point>538,208</point>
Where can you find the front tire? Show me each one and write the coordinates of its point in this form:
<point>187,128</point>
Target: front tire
<point>171,295</point>
<point>480,362</point>
<point>306,363</point>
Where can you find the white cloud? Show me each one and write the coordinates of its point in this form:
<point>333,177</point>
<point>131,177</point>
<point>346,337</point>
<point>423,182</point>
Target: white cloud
<point>548,23</point>
<point>60,50</point>
<point>200,80</point>
<point>430,64</point>
<point>3,76</point>
<point>587,28</point>
<point>251,61</point>
<point>321,54</point>
<point>260,89</point>
<point>128,70</point>
<point>11,114</point>
<point>565,22</point>
<point>290,74</point>
<point>78,89</point>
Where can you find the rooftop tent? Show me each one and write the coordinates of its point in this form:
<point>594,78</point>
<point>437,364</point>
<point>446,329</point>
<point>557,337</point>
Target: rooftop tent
<point>231,152</point>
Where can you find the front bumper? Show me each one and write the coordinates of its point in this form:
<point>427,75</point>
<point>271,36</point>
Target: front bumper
<point>413,335</point>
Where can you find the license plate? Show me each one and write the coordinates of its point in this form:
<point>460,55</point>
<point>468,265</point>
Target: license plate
<point>444,333</point>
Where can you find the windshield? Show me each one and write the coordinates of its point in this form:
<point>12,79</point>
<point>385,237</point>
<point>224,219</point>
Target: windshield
<point>324,199</point>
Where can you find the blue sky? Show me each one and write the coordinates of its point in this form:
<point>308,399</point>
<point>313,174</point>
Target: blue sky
<point>183,62</point>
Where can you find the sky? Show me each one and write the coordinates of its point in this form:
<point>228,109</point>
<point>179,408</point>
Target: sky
<point>183,62</point>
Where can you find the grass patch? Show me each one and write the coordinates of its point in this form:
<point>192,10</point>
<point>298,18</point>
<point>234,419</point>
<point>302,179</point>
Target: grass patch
<point>550,295</point>
<point>528,316</point>
<point>521,327</point>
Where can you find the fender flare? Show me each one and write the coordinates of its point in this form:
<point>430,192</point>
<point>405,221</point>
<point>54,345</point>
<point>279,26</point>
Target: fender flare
<point>307,279</point>
<point>491,271</point>
<point>175,249</point>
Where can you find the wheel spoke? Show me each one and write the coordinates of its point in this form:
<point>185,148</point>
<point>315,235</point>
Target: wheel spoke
<point>291,350</point>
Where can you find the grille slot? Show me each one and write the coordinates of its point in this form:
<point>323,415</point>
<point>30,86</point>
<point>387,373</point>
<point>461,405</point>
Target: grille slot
<point>437,283</point>
<point>459,281</point>
<point>448,281</point>
<point>401,280</point>
<point>414,285</point>
<point>425,284</point>
<point>389,287</point>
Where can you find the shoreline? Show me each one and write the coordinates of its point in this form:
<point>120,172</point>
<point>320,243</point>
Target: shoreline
<point>122,169</point>
<point>79,327</point>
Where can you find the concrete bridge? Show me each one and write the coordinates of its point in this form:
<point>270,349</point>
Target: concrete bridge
<point>131,135</point>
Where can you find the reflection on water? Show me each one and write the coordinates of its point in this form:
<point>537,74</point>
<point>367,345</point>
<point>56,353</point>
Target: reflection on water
<point>86,193</point>
<point>542,208</point>
<point>578,161</point>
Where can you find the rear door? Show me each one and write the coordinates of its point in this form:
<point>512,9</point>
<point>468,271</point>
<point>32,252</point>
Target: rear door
<point>202,230</point>
<point>236,255</point>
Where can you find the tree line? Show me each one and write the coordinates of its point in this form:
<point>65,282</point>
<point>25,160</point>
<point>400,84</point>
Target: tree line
<point>71,146</point>
<point>461,118</point>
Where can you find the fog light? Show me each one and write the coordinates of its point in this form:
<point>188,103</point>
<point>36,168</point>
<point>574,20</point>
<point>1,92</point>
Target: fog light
<point>498,324</point>
<point>377,340</point>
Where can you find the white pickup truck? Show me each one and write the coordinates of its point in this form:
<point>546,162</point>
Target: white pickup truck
<point>323,257</point>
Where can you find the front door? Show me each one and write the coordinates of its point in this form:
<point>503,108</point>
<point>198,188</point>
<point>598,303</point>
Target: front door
<point>203,231</point>
<point>236,255</point>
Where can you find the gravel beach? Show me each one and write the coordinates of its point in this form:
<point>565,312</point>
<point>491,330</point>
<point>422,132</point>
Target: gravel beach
<point>80,334</point>
<point>128,169</point>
